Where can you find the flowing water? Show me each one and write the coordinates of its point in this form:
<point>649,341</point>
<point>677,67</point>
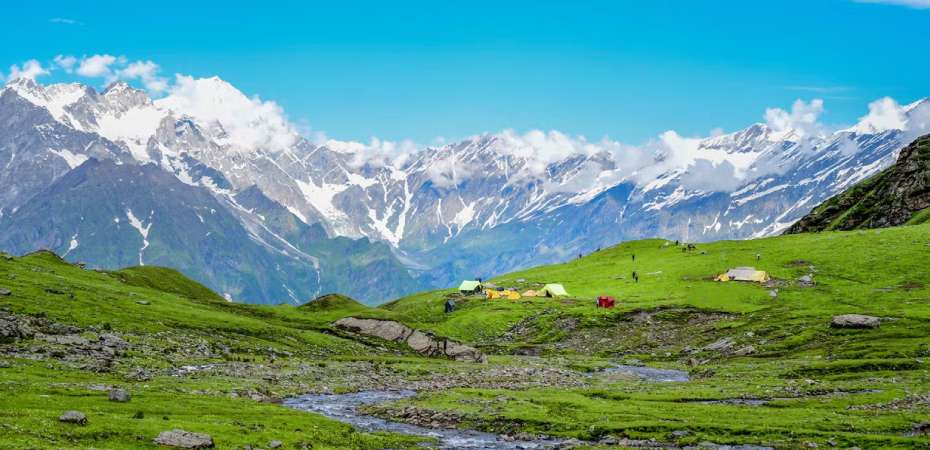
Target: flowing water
<point>344,407</point>
<point>650,373</point>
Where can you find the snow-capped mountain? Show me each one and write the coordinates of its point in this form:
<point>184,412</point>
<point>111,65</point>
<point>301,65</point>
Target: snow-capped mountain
<point>480,206</point>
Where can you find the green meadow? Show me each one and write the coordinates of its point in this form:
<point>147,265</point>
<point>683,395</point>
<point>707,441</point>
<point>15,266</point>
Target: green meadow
<point>765,366</point>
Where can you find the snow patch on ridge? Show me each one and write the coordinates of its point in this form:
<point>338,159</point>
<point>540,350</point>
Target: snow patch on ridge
<point>142,229</point>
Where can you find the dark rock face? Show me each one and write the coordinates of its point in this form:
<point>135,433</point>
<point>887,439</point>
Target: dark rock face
<point>888,199</point>
<point>421,342</point>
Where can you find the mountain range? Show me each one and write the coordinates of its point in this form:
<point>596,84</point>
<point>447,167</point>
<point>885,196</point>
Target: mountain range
<point>223,187</point>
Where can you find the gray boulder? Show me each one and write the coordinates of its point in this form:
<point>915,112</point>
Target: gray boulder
<point>275,444</point>
<point>184,439</point>
<point>75,417</point>
<point>119,395</point>
<point>855,321</point>
<point>419,341</point>
<point>388,330</point>
<point>4,292</point>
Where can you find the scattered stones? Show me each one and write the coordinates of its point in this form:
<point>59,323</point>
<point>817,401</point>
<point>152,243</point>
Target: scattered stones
<point>744,351</point>
<point>119,395</point>
<point>184,439</point>
<point>275,444</point>
<point>75,417</point>
<point>855,321</point>
<point>421,342</point>
<point>5,292</point>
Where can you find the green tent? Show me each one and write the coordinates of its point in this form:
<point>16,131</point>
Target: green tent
<point>553,290</point>
<point>469,286</point>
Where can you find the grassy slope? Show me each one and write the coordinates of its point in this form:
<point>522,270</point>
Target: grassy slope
<point>33,394</point>
<point>879,272</point>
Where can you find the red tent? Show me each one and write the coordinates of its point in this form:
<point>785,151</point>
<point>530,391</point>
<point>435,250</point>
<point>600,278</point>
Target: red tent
<point>605,302</point>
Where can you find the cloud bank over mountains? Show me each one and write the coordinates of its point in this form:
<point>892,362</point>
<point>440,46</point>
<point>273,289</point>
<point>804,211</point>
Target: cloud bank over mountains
<point>251,122</point>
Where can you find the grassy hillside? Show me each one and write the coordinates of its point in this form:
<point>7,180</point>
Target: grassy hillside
<point>897,195</point>
<point>168,322</point>
<point>863,387</point>
<point>765,365</point>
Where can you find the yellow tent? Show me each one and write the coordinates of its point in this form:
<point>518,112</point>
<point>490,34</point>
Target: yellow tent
<point>744,274</point>
<point>553,290</point>
<point>491,295</point>
<point>512,295</point>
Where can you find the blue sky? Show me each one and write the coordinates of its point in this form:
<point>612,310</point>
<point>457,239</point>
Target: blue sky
<point>421,70</point>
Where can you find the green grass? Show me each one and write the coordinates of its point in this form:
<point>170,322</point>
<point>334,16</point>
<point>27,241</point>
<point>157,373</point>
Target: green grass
<point>824,384</point>
<point>160,310</point>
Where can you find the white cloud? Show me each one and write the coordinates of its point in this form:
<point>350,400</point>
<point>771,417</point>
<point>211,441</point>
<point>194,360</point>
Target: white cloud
<point>147,72</point>
<point>884,114</point>
<point>916,4</point>
<point>65,21</point>
<point>708,176</point>
<point>30,69</point>
<point>802,120</point>
<point>66,62</point>
<point>98,66</point>
<point>247,122</point>
<point>449,172</point>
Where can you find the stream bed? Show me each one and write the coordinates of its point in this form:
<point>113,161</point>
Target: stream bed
<point>344,408</point>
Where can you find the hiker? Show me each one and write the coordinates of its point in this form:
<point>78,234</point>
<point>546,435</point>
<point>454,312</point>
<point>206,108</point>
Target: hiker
<point>634,256</point>
<point>676,243</point>
<point>758,256</point>
<point>450,306</point>
<point>635,277</point>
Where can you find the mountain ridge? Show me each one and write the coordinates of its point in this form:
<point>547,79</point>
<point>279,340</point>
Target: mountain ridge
<point>485,205</point>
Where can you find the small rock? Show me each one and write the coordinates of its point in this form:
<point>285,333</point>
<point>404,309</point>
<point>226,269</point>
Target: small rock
<point>855,321</point>
<point>720,345</point>
<point>142,302</point>
<point>680,433</point>
<point>773,293</point>
<point>119,395</point>
<point>747,350</point>
<point>810,445</point>
<point>4,292</point>
<point>75,417</point>
<point>184,439</point>
<point>275,444</point>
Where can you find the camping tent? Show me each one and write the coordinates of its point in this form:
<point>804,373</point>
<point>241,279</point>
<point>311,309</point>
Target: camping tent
<point>511,295</point>
<point>552,290</point>
<point>744,274</point>
<point>530,293</point>
<point>470,287</point>
<point>605,301</point>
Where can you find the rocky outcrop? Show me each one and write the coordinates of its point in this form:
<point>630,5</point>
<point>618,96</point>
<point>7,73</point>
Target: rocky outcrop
<point>14,327</point>
<point>888,199</point>
<point>855,321</point>
<point>421,342</point>
<point>184,439</point>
